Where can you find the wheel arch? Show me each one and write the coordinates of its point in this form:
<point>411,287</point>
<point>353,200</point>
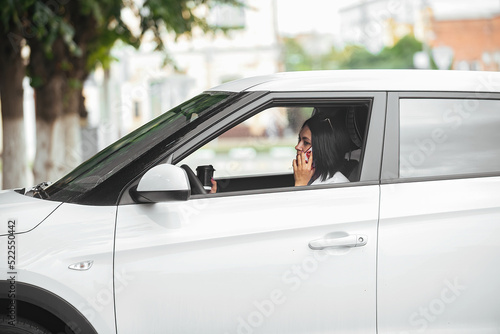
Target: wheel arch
<point>45,308</point>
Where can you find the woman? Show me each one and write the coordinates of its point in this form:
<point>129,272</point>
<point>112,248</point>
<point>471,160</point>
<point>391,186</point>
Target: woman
<point>330,142</point>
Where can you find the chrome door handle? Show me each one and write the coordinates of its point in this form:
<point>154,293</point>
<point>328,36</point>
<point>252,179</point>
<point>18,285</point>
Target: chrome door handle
<point>353,240</point>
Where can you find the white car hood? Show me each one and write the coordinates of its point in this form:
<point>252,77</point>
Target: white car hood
<point>27,211</point>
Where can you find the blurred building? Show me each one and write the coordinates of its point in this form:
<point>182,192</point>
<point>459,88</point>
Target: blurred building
<point>475,40</point>
<point>457,34</point>
<point>378,23</point>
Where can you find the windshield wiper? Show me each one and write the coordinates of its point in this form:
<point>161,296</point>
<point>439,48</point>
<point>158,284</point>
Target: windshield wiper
<point>39,191</point>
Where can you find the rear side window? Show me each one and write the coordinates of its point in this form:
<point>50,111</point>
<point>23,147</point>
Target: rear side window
<point>448,137</point>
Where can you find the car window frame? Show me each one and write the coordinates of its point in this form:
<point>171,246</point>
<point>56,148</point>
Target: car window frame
<point>372,153</point>
<point>246,98</point>
<point>390,161</point>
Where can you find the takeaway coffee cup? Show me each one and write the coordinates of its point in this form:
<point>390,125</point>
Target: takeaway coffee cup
<point>205,174</point>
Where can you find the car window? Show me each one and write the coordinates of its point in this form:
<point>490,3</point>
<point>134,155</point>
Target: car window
<point>263,144</point>
<point>258,152</point>
<point>448,137</point>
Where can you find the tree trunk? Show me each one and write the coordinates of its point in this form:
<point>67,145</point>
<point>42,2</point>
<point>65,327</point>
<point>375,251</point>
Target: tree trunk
<point>14,167</point>
<point>49,159</point>
<point>72,133</point>
<point>76,74</point>
<point>59,81</point>
<point>12,69</point>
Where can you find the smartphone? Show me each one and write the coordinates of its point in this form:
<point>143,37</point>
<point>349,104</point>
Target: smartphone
<point>308,154</point>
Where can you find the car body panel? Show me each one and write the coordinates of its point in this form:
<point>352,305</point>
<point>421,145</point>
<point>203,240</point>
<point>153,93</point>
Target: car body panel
<point>436,259</point>
<point>13,206</point>
<point>73,234</point>
<point>243,262</point>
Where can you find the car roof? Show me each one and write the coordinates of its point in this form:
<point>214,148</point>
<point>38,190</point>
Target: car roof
<point>369,80</point>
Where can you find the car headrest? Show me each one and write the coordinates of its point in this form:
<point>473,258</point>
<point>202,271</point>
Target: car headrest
<point>355,117</point>
<point>356,123</point>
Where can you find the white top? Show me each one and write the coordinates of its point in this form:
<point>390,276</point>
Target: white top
<point>336,178</point>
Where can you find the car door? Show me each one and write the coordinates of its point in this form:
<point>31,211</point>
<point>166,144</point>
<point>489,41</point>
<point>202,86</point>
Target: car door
<point>440,213</point>
<point>287,260</point>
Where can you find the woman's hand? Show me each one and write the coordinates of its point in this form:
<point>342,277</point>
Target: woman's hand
<point>302,170</point>
<point>213,190</point>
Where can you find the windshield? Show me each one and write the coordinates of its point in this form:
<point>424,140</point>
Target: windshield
<point>122,153</point>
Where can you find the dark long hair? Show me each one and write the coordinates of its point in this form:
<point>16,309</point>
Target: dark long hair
<point>330,142</point>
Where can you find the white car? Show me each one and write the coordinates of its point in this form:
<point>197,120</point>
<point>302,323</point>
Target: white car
<point>131,242</point>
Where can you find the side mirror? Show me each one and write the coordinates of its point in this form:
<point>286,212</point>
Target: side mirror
<point>162,183</point>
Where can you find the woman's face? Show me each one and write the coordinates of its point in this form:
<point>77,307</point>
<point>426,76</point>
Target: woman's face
<point>305,140</point>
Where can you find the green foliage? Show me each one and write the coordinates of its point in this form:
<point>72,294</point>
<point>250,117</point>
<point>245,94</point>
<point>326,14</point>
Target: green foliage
<point>398,56</point>
<point>12,13</point>
<point>46,25</point>
<point>75,84</point>
<point>178,17</point>
<point>353,56</point>
<point>35,81</point>
<point>296,58</point>
<point>48,21</point>
<point>108,29</point>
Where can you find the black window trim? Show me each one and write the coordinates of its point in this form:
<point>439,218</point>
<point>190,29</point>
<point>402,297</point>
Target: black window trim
<point>287,189</point>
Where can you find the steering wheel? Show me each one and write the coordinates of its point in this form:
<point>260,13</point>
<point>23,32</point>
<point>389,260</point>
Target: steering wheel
<point>194,181</point>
